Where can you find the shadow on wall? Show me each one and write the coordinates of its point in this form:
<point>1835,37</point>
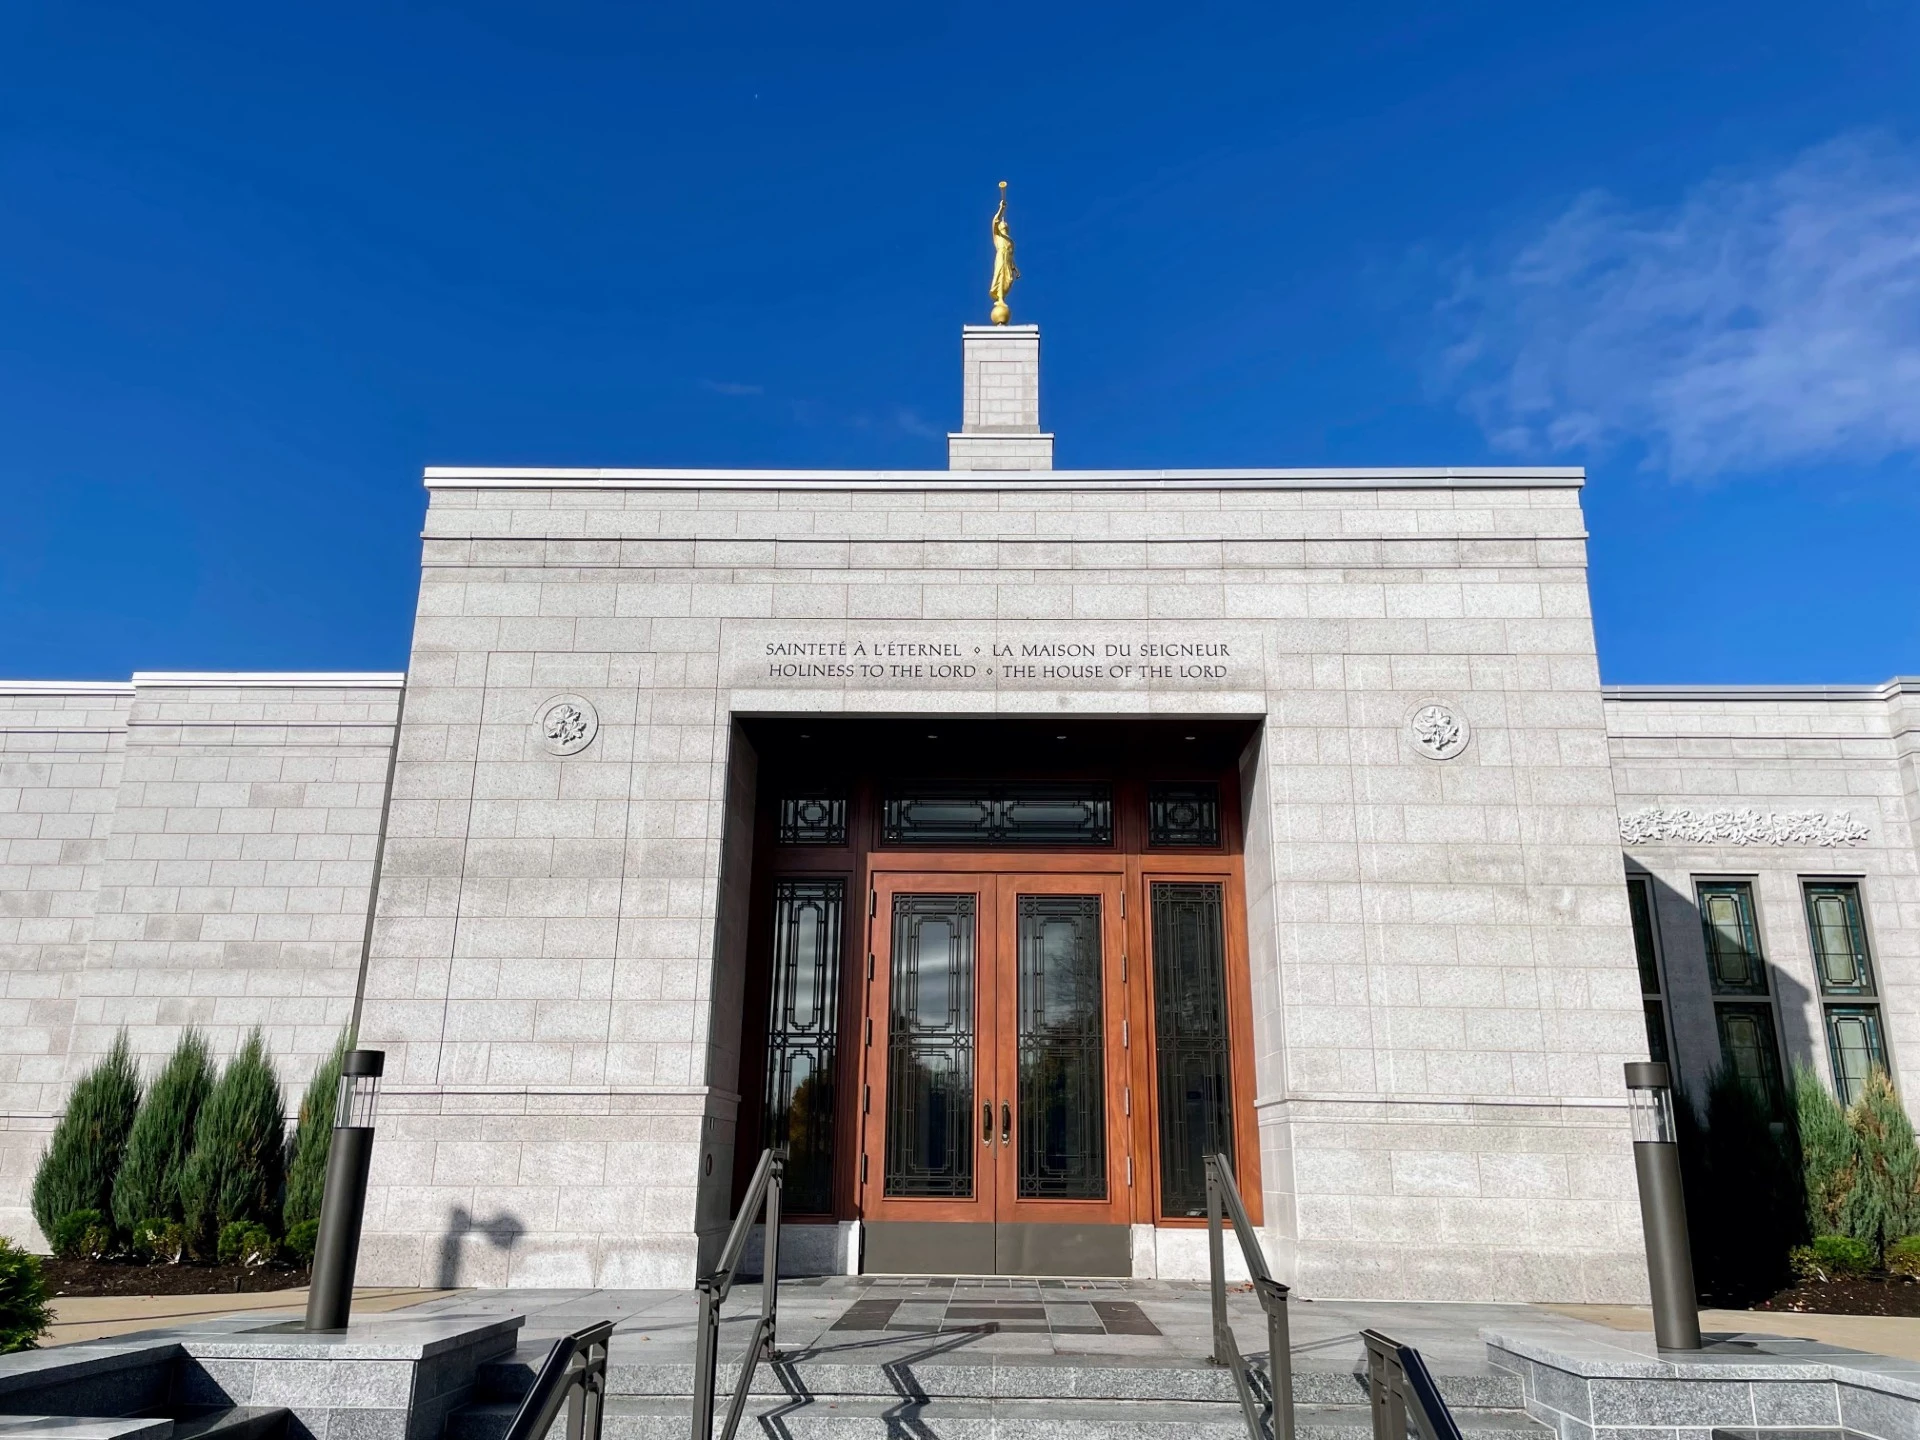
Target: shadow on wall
<point>1739,1145</point>
<point>502,1232</point>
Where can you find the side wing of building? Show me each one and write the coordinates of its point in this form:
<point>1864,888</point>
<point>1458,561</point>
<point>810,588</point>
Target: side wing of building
<point>180,850</point>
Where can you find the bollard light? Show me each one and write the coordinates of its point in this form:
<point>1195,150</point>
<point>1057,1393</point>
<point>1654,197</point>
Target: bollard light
<point>343,1204</point>
<point>1663,1206</point>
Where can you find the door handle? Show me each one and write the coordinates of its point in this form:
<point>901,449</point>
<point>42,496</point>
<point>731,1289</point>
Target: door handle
<point>986,1123</point>
<point>1006,1123</point>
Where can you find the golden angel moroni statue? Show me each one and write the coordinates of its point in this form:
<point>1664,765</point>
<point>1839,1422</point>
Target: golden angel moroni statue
<point>1005,272</point>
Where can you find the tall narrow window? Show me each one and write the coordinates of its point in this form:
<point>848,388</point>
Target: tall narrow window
<point>802,1032</point>
<point>1855,1042</point>
<point>1646,950</point>
<point>1190,1040</point>
<point>930,1038</point>
<point>1737,973</point>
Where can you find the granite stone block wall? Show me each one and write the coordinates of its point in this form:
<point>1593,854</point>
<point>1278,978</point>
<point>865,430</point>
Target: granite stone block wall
<point>180,850</point>
<point>1812,751</point>
<point>1442,967</point>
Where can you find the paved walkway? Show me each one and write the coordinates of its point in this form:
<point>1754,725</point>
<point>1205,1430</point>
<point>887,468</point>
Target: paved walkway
<point>879,1320</point>
<point>92,1317</point>
<point>1894,1335</point>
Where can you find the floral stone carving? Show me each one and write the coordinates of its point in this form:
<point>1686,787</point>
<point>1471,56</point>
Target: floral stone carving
<point>1439,730</point>
<point>567,724</point>
<point>1677,823</point>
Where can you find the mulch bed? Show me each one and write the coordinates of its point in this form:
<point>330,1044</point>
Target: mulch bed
<point>130,1277</point>
<point>1856,1295</point>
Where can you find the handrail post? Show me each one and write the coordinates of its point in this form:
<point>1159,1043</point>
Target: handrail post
<point>1216,1258</point>
<point>1279,1358</point>
<point>770,1255</point>
<point>705,1358</point>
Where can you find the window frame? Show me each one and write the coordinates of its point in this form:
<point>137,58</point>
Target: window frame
<point>1655,1005</point>
<point>1727,999</point>
<point>1839,1003</point>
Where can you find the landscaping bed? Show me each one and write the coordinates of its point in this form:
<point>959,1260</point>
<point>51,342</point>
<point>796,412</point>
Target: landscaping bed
<point>74,1278</point>
<point>1850,1295</point>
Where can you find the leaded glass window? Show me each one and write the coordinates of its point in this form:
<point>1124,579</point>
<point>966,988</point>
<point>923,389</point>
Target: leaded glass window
<point>930,1043</point>
<point>815,817</point>
<point>1855,1043</point>
<point>1734,963</point>
<point>1063,1093</point>
<point>1748,1044</point>
<point>1855,1046</point>
<point>967,813</point>
<point>802,1035</point>
<point>1190,1039</point>
<point>1839,940</point>
<point>1646,953</point>
<point>1183,815</point>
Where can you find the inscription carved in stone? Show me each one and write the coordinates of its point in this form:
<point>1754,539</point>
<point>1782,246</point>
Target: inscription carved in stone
<point>1677,823</point>
<point>567,724</point>
<point>1439,730</point>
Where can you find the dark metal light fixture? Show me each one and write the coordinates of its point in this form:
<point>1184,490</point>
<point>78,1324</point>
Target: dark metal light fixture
<point>343,1205</point>
<point>1663,1206</point>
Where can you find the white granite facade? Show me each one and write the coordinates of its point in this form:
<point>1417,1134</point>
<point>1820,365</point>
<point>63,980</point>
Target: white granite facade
<point>1441,810</point>
<point>184,849</point>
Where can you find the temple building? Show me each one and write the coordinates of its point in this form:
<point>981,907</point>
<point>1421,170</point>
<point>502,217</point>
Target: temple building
<point>1000,839</point>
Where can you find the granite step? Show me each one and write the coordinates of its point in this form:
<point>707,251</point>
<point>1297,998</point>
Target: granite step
<point>660,1418</point>
<point>1064,1378</point>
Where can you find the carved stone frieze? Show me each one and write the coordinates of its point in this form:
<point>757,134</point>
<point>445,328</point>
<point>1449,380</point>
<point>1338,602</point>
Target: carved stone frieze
<point>1678,824</point>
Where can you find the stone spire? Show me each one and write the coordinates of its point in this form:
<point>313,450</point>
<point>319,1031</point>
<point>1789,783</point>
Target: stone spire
<point>1000,401</point>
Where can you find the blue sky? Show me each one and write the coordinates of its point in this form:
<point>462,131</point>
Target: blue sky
<point>258,267</point>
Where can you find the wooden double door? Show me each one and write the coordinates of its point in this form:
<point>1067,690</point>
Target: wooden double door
<point>996,1091</point>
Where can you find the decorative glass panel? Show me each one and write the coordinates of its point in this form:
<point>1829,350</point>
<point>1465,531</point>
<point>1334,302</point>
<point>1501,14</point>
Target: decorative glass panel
<point>1063,1092</point>
<point>964,813</point>
<point>802,1033</point>
<point>1854,1043</point>
<point>1839,940</point>
<point>1190,1037</point>
<point>814,818</point>
<point>930,1047</point>
<point>1656,1030</point>
<point>1734,962</point>
<point>1640,903</point>
<point>1183,815</point>
<point>1747,1043</point>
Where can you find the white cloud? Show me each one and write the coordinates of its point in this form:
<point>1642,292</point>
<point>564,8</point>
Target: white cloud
<point>1767,320</point>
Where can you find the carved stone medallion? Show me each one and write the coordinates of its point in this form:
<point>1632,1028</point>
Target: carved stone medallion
<point>567,724</point>
<point>1438,729</point>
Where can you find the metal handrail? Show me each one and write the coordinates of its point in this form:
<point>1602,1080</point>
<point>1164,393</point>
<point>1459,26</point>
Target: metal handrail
<point>1224,1194</point>
<point>575,1374</point>
<point>714,1287</point>
<point>1401,1389</point>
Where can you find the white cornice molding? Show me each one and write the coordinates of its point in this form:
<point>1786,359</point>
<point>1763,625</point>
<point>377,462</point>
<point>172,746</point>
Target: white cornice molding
<point>457,477</point>
<point>272,679</point>
<point>66,687</point>
<point>1886,690</point>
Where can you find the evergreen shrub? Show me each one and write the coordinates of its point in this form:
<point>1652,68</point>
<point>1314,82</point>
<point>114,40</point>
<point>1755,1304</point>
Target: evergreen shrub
<point>1883,1204</point>
<point>148,1185</point>
<point>302,1240</point>
<point>1832,1256</point>
<point>1903,1256</point>
<point>236,1169</point>
<point>159,1242</point>
<point>83,1154</point>
<point>82,1235</point>
<point>24,1312</point>
<point>1754,1207</point>
<point>245,1242</point>
<point>312,1136</point>
<point>1829,1151</point>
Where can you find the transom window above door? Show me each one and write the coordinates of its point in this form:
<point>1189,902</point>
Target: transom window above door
<point>966,813</point>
